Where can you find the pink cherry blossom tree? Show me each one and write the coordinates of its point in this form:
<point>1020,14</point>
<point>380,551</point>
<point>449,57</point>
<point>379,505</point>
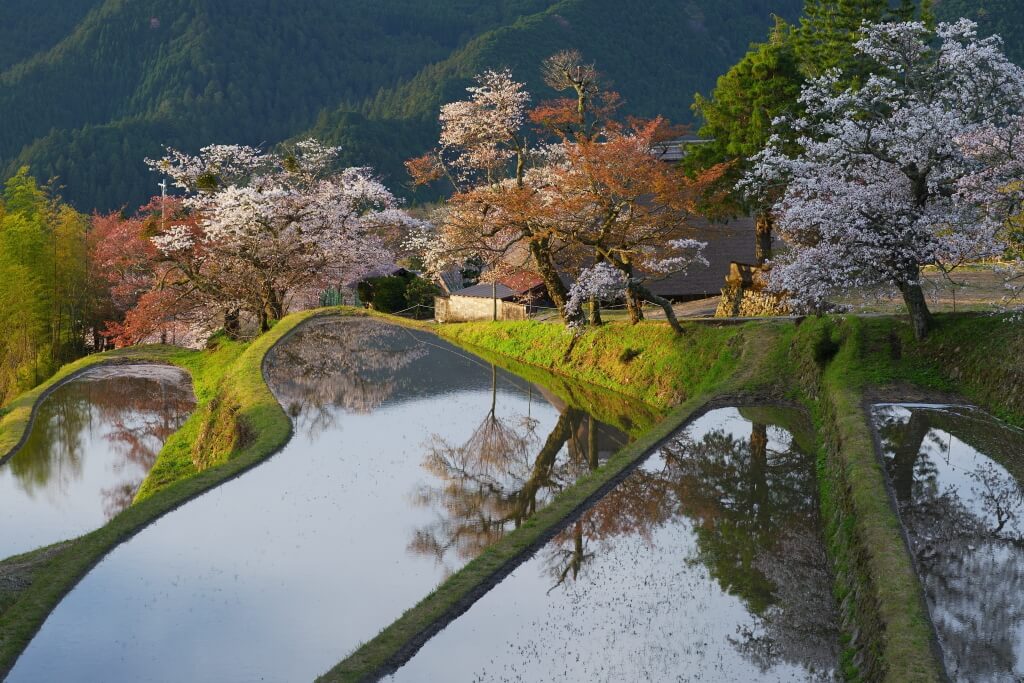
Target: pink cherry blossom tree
<point>263,227</point>
<point>891,177</point>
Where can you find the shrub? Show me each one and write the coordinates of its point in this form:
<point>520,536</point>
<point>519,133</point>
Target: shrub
<point>389,294</point>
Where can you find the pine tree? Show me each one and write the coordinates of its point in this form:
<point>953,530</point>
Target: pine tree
<point>738,121</point>
<point>829,29</point>
<point>907,11</point>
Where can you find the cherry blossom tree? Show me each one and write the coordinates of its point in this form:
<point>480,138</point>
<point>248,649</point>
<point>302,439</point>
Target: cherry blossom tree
<point>607,282</point>
<point>890,178</point>
<point>591,190</point>
<point>264,227</point>
<point>496,209</point>
<point>613,198</point>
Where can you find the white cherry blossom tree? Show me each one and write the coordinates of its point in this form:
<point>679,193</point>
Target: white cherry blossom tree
<point>262,227</point>
<point>893,175</point>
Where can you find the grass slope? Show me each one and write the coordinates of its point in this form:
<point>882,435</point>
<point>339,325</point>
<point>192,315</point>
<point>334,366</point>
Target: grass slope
<point>829,365</point>
<point>237,424</point>
<point>647,361</point>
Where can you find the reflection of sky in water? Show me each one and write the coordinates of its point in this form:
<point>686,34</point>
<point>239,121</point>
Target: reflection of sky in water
<point>965,518</point>
<point>92,443</point>
<point>955,462</point>
<point>278,574</point>
<point>645,607</point>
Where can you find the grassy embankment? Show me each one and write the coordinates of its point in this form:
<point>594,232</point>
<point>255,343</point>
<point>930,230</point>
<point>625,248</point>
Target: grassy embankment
<point>237,423</point>
<point>831,366</point>
<point>825,364</point>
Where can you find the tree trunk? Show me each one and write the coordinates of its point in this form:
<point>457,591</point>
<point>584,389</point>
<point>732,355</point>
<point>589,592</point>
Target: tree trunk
<point>593,451</point>
<point>758,475</point>
<point>635,306</point>
<point>273,308</point>
<point>595,312</point>
<point>908,449</point>
<point>763,227</point>
<point>913,296</point>
<point>645,294</point>
<point>541,252</point>
<point>540,475</point>
<point>232,323</point>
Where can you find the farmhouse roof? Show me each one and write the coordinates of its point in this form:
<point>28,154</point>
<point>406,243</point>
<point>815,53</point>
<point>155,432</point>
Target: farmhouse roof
<point>508,287</point>
<point>484,290</point>
<point>727,242</point>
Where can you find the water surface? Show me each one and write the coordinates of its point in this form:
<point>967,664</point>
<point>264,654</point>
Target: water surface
<point>92,443</point>
<point>705,564</point>
<point>410,456</point>
<point>956,473</point>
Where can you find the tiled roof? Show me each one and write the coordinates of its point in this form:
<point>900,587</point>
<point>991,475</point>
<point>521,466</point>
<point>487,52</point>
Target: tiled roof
<point>733,241</point>
<point>520,283</point>
<point>485,291</point>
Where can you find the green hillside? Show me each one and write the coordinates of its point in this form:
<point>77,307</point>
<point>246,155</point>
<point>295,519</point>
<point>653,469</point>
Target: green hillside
<point>657,59</point>
<point>31,26</point>
<point>132,75</point>
<point>1004,17</point>
<point>88,88</point>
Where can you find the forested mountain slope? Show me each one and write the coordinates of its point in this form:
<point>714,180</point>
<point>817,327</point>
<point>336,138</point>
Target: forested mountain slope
<point>135,74</point>
<point>1005,17</point>
<point>88,88</point>
<point>31,26</point>
<point>656,58</point>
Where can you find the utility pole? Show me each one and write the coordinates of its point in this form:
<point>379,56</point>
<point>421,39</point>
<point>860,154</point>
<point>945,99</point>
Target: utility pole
<point>163,204</point>
<point>163,228</point>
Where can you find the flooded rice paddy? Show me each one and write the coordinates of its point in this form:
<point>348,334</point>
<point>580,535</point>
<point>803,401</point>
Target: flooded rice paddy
<point>409,457</point>
<point>92,443</point>
<point>956,474</point>
<point>704,564</point>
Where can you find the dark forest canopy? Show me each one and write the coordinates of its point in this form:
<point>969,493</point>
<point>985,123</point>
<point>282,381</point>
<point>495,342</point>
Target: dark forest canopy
<point>87,94</point>
<point>88,88</point>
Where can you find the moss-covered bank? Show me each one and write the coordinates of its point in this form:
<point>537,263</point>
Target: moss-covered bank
<point>829,365</point>
<point>236,425</point>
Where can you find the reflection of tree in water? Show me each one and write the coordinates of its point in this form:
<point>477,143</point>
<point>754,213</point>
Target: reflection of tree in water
<point>353,364</point>
<point>498,477</point>
<point>136,413</point>
<point>967,540</point>
<point>754,513</point>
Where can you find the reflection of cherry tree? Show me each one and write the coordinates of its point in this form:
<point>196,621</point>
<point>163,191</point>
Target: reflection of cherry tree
<point>641,502</point>
<point>962,512</point>
<point>136,415</point>
<point>353,364</point>
<point>496,479</point>
<point>154,412</point>
<point>742,494</point>
<point>800,627</point>
<point>755,517</point>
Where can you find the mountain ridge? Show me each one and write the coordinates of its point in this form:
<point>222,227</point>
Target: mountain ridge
<point>112,81</point>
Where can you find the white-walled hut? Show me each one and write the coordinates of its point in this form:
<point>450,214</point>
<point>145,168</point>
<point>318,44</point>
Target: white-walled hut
<point>509,298</point>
